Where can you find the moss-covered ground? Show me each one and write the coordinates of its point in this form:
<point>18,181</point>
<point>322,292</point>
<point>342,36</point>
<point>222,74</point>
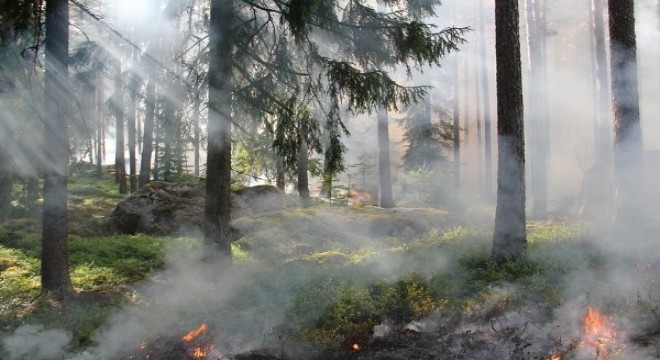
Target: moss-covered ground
<point>332,273</point>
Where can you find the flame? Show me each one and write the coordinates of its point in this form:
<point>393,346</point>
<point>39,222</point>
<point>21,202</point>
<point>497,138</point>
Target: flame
<point>596,328</point>
<point>194,333</point>
<point>200,347</point>
<point>555,357</point>
<point>356,347</point>
<point>360,197</point>
<point>198,353</point>
<point>599,334</point>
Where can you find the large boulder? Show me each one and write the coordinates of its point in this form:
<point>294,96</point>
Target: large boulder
<point>265,198</point>
<point>163,208</point>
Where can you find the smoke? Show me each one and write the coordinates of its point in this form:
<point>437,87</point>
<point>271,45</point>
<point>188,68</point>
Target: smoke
<point>35,342</point>
<point>188,293</point>
<point>176,300</point>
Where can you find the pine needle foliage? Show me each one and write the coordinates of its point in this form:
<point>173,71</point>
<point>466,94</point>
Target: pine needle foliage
<point>299,66</point>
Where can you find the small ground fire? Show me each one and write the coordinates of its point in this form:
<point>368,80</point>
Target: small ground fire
<point>190,336</point>
<point>599,337</point>
<point>200,345</point>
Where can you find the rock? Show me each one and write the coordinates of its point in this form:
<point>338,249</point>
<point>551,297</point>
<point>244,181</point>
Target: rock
<point>265,198</point>
<point>162,208</point>
<point>159,208</point>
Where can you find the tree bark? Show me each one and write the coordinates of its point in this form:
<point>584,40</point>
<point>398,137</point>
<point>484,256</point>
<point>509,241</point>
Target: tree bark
<point>7,38</point>
<point>158,138</point>
<point>217,211</point>
<point>303,178</point>
<point>32,193</point>
<point>279,173</point>
<point>118,111</point>
<point>488,154</point>
<point>537,109</point>
<point>6,182</point>
<point>480,145</point>
<point>55,252</point>
<point>196,136</point>
<point>628,150</point>
<point>603,123</point>
<point>510,238</point>
<point>99,106</point>
<point>456,132</point>
<point>384,171</point>
<point>148,136</point>
<point>169,139</point>
<point>131,123</point>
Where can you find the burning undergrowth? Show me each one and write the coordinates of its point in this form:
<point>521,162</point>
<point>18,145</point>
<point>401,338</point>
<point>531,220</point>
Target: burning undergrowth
<point>434,296</point>
<point>197,343</point>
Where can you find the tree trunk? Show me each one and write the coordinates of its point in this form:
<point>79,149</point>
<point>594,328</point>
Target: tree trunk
<point>384,171</point>
<point>488,154</point>
<point>148,137</point>
<point>158,138</point>
<point>90,112</point>
<point>7,33</point>
<point>217,211</point>
<point>628,164</point>
<point>603,123</point>
<point>130,123</point>
<point>537,110</point>
<point>180,141</point>
<point>103,132</point>
<point>168,133</point>
<point>5,192</point>
<point>99,106</point>
<point>7,38</point>
<point>32,193</point>
<point>196,136</point>
<point>510,239</point>
<point>118,110</point>
<point>326,182</point>
<point>456,132</point>
<point>303,178</point>
<point>55,252</point>
<point>480,145</point>
<point>280,181</point>
<point>466,103</point>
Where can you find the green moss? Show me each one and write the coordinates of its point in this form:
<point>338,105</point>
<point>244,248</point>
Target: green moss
<point>89,277</point>
<point>328,257</point>
<point>540,232</point>
<point>19,282</point>
<point>131,257</point>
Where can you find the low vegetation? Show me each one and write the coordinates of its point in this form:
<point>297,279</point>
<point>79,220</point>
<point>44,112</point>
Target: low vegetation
<point>306,284</point>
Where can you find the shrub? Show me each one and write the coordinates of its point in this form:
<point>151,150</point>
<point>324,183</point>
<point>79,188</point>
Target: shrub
<point>348,320</point>
<point>407,299</point>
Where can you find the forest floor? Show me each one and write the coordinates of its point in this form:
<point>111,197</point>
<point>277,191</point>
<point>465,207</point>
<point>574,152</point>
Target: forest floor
<point>330,283</point>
